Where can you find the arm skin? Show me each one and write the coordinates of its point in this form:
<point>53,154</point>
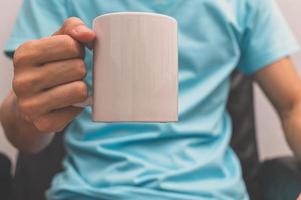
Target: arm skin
<point>282,85</point>
<point>48,80</point>
<point>20,132</point>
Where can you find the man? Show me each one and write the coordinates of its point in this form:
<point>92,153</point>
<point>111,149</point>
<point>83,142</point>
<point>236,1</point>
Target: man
<point>190,159</point>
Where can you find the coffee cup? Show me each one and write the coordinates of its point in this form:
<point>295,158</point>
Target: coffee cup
<point>135,68</point>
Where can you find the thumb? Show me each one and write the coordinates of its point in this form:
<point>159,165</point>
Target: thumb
<point>77,29</point>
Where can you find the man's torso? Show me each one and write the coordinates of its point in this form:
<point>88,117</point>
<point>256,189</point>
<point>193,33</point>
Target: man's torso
<point>190,159</point>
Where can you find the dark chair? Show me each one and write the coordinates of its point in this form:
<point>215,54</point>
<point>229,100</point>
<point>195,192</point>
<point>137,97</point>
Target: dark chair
<point>5,178</point>
<point>271,180</point>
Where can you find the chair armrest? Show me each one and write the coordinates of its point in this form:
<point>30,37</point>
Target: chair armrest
<point>280,178</point>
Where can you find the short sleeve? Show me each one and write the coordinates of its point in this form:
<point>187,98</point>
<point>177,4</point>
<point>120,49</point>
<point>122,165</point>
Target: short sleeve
<point>36,19</point>
<point>267,36</point>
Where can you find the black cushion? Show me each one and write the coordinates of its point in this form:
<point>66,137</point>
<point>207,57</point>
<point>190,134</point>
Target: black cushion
<point>280,179</point>
<point>35,172</point>
<point>5,178</point>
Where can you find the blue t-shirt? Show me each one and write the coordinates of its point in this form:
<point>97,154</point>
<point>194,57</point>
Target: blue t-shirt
<point>187,160</point>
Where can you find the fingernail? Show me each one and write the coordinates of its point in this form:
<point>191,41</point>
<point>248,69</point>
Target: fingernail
<point>81,29</point>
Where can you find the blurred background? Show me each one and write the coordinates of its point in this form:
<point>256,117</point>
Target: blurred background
<point>269,135</point>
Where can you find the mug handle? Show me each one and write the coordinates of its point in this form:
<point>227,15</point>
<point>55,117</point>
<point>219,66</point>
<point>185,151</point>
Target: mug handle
<point>86,103</point>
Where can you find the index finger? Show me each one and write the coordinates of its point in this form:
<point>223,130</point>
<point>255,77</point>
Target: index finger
<point>78,30</point>
<point>50,49</point>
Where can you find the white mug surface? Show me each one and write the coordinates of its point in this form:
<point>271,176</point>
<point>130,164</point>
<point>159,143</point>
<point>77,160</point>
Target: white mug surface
<point>135,73</point>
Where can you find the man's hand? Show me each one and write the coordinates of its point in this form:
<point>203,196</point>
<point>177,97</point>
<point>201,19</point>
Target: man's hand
<point>48,76</point>
<point>48,80</point>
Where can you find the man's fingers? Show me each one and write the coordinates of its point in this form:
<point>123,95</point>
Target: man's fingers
<point>46,50</point>
<point>57,120</point>
<point>62,72</point>
<point>64,44</point>
<point>77,29</point>
<point>53,99</point>
<point>37,79</point>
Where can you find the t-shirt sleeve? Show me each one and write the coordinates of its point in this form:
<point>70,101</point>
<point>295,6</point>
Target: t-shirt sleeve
<point>267,37</point>
<point>36,19</point>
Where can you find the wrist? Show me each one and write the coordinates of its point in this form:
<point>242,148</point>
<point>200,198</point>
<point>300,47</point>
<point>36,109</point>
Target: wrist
<point>19,131</point>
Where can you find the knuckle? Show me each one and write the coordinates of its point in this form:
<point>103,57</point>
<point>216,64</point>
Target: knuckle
<point>18,85</point>
<point>70,20</point>
<point>80,68</point>
<point>30,44</point>
<point>23,83</point>
<point>81,90</point>
<point>23,106</point>
<point>27,107</point>
<point>18,57</point>
<point>25,52</point>
<point>71,45</point>
<point>69,24</point>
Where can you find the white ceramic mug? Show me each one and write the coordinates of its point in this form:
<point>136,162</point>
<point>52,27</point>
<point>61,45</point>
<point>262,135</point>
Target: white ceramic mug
<point>135,73</point>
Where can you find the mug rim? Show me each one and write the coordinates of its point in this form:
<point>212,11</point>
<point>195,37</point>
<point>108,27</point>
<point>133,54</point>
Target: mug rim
<point>134,13</point>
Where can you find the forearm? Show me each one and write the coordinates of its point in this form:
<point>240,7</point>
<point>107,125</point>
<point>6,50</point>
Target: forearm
<point>291,123</point>
<point>21,133</point>
<point>282,85</point>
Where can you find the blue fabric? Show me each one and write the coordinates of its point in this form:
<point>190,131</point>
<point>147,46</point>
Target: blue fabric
<point>190,159</point>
